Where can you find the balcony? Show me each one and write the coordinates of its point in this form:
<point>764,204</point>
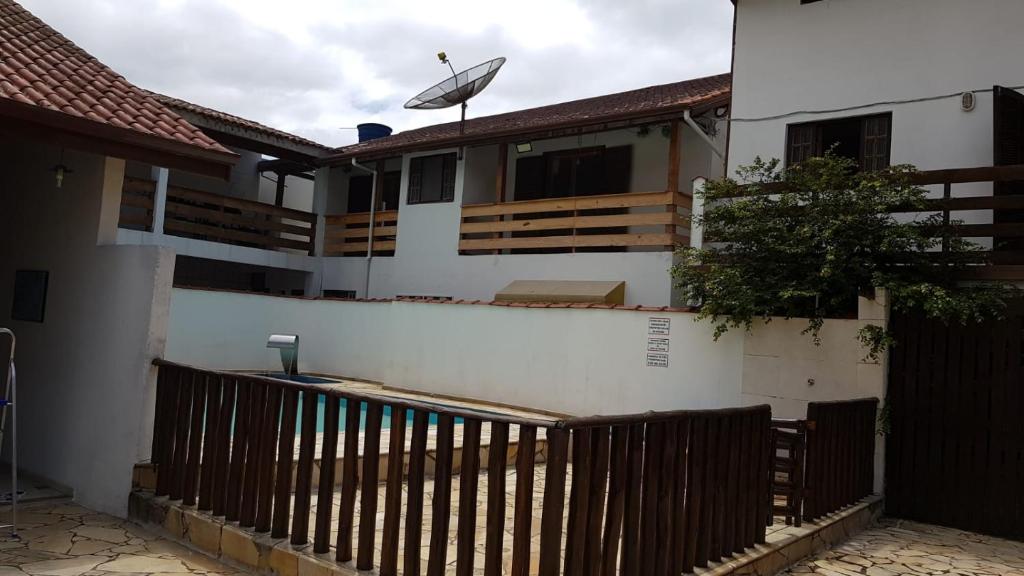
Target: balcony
<point>211,217</point>
<point>652,221</point>
<point>349,234</point>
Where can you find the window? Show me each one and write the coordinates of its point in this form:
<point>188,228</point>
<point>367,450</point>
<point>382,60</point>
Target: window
<point>864,139</point>
<point>360,188</point>
<point>432,179</point>
<point>340,294</point>
<point>575,172</point>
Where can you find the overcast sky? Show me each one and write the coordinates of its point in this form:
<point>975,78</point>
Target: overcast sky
<point>314,66</point>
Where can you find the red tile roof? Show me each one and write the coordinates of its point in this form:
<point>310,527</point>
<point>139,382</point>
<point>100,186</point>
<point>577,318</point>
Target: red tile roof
<point>643,102</point>
<point>40,67</point>
<point>236,121</point>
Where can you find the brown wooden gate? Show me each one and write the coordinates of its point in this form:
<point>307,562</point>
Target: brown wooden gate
<point>955,453</point>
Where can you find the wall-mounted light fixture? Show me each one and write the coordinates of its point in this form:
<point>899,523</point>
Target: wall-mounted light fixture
<point>61,170</point>
<point>524,147</point>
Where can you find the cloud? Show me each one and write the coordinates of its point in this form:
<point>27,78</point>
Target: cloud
<point>314,67</point>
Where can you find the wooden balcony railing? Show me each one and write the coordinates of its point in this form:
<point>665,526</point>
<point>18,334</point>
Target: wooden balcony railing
<point>348,234</point>
<point>206,216</point>
<point>137,204</point>
<point>1000,263</point>
<point>594,223</point>
<point>657,493</point>
<point>228,220</point>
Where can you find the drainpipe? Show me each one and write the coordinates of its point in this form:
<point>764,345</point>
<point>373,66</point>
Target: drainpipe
<point>700,132</point>
<point>373,212</point>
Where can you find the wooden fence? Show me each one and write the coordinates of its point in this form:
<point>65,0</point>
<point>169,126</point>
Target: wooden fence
<point>348,234</point>
<point>658,493</point>
<point>581,222</point>
<point>789,439</point>
<point>840,468</point>
<point>224,219</point>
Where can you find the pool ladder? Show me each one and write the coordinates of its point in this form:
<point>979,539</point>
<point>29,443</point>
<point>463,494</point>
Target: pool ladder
<point>9,379</point>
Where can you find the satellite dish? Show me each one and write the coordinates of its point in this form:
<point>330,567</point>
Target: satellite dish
<point>458,89</point>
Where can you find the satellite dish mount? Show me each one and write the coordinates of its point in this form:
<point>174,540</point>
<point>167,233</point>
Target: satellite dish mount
<point>456,90</point>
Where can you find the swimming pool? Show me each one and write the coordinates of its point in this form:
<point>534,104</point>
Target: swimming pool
<point>385,421</point>
<point>343,412</point>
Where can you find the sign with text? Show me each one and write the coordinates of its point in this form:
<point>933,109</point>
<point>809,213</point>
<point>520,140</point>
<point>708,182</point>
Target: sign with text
<point>657,360</point>
<point>659,326</point>
<point>657,344</point>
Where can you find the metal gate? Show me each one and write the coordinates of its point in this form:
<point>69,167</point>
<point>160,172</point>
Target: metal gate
<point>955,452</point>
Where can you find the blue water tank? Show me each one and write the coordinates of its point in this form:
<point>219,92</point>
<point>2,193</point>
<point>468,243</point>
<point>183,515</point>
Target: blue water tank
<point>372,131</point>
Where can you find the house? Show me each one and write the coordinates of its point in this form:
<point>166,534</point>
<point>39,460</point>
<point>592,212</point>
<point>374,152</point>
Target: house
<point>933,83</point>
<point>593,189</point>
<point>929,84</point>
<point>253,231</point>
<point>87,309</point>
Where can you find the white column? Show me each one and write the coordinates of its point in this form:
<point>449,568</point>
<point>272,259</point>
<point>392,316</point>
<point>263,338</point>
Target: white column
<point>110,201</point>
<point>160,175</point>
<point>696,212</point>
<point>314,280</point>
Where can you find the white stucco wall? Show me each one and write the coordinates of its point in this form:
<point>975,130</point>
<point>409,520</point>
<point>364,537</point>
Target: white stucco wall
<point>573,361</point>
<point>786,370</point>
<point>84,374</point>
<point>840,53</point>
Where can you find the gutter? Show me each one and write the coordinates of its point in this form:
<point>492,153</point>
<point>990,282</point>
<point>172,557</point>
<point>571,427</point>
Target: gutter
<point>373,213</point>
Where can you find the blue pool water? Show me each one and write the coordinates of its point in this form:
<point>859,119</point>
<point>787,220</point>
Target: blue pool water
<point>343,412</point>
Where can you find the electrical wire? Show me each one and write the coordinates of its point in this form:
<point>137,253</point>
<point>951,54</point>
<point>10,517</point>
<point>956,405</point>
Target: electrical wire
<point>857,107</point>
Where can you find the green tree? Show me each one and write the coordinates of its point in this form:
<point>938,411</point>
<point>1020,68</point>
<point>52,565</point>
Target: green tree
<point>804,241</point>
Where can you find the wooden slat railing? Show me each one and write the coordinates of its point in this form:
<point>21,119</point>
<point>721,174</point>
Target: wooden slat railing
<point>656,493</point>
<point>840,467</point>
<point>581,222</point>
<point>789,439</point>
<point>137,204</point>
<point>992,264</point>
<point>348,234</point>
<point>206,216</point>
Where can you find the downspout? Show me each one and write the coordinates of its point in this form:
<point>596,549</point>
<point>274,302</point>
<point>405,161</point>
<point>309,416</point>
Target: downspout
<point>700,132</point>
<point>373,212</point>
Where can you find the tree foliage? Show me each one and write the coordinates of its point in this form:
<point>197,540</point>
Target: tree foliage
<point>806,240</point>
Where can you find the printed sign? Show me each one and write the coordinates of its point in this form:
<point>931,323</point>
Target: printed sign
<point>657,360</point>
<point>657,344</point>
<point>658,326</point>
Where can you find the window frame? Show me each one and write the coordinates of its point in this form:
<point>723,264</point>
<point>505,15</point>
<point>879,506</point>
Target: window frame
<point>816,145</point>
<point>414,196</point>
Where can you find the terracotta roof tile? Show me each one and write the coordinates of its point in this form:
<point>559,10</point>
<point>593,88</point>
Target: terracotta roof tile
<point>649,101</point>
<point>41,67</point>
<point>231,119</point>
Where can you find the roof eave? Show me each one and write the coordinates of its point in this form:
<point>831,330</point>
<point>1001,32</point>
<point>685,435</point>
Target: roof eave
<point>39,123</point>
<point>254,139</point>
<point>549,131</point>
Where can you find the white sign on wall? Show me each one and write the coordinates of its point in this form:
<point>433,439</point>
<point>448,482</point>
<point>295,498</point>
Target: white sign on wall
<point>659,326</point>
<point>657,344</point>
<point>657,360</point>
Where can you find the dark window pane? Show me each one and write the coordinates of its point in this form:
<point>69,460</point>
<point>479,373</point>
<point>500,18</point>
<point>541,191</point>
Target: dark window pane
<point>392,186</point>
<point>359,190</point>
<point>432,178</point>
<point>866,140</point>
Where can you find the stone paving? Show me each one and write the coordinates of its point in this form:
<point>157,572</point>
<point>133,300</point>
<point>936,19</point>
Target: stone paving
<point>60,538</point>
<point>896,547</point>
